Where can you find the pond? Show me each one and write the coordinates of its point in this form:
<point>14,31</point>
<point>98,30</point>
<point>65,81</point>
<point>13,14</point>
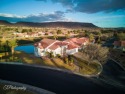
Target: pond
<point>26,48</point>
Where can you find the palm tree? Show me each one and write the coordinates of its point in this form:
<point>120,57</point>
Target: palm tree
<point>55,36</point>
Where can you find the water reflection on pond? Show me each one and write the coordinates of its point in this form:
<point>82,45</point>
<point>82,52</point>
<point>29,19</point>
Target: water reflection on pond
<point>26,48</point>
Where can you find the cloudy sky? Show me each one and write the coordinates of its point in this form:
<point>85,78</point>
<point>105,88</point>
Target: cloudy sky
<point>103,13</point>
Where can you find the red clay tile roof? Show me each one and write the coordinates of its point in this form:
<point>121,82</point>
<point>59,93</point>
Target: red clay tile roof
<point>44,43</point>
<point>53,47</point>
<point>78,41</point>
<point>119,43</point>
<point>81,41</point>
<point>57,44</point>
<point>73,39</point>
<point>61,43</point>
<point>48,41</point>
<point>72,43</point>
<point>123,43</point>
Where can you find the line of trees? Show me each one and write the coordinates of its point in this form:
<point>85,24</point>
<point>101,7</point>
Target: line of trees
<point>26,30</point>
<point>8,46</point>
<point>121,36</point>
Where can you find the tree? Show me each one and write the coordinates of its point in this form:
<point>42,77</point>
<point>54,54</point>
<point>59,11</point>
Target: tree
<point>51,54</point>
<point>55,36</point>
<point>59,32</point>
<point>98,37</point>
<point>121,36</point>
<point>115,34</point>
<point>1,56</point>
<point>67,35</point>
<point>66,60</point>
<point>0,43</point>
<point>12,44</point>
<point>96,52</point>
<point>87,33</point>
<point>99,34</point>
<point>71,60</point>
<point>91,37</point>
<point>99,40</point>
<point>47,53</point>
<point>30,30</point>
<point>24,30</point>
<point>68,32</point>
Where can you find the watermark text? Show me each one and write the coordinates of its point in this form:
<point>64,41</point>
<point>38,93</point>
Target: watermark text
<point>12,87</point>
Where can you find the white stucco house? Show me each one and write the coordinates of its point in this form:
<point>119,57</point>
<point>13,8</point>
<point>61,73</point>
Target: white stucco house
<point>66,47</point>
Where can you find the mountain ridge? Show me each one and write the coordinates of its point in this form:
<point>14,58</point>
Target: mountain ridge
<point>50,24</point>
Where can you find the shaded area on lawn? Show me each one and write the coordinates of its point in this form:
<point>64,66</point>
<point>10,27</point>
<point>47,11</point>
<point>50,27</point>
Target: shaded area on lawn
<point>23,57</point>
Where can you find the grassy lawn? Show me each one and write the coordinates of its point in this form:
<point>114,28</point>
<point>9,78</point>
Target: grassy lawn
<point>31,59</point>
<point>54,62</point>
<point>61,64</point>
<point>21,57</point>
<point>12,91</point>
<point>48,62</point>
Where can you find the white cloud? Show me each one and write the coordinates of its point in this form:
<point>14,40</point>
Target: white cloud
<point>11,15</point>
<point>41,17</point>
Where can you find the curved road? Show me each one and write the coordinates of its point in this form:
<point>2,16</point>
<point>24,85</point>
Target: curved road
<point>56,81</point>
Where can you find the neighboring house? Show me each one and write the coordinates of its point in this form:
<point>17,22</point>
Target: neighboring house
<point>66,47</point>
<point>41,33</point>
<point>119,45</point>
<point>31,34</point>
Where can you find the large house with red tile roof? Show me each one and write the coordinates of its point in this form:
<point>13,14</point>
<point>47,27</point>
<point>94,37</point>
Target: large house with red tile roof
<point>119,45</point>
<point>66,47</point>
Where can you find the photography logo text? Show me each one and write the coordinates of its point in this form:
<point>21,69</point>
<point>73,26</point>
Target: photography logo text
<point>11,87</point>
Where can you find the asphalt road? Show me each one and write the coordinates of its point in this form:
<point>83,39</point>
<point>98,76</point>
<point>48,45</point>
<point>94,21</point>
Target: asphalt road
<point>113,75</point>
<point>112,69</point>
<point>53,80</point>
